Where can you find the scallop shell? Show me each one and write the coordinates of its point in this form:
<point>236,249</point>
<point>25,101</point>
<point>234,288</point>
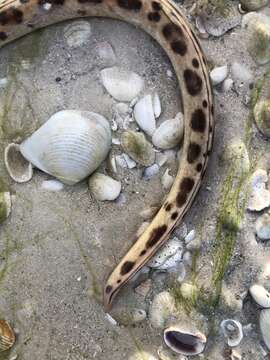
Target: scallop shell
<point>232,331</point>
<point>18,168</point>
<point>184,340</point>
<point>265,326</point>
<point>260,295</point>
<point>70,145</point>
<point>121,84</point>
<point>7,337</point>
<point>5,205</point>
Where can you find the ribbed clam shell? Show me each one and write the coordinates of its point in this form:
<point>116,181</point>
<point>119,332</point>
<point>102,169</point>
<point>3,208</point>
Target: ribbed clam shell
<point>260,295</point>
<point>265,326</point>
<point>184,341</point>
<point>77,33</point>
<point>7,337</point>
<point>70,145</point>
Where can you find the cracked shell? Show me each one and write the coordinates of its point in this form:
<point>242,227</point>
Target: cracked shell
<point>7,337</point>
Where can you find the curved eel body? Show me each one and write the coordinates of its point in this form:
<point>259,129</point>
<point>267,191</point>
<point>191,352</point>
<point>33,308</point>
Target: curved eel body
<point>163,20</point>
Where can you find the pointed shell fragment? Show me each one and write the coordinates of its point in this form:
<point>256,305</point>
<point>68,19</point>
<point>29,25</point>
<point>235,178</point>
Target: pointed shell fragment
<point>232,331</point>
<point>121,84</point>
<point>144,115</point>
<point>7,337</point>
<point>169,133</point>
<point>260,295</point>
<point>70,145</point>
<point>185,341</point>
<point>5,205</point>
<point>265,326</point>
<point>104,188</point>
<point>138,148</point>
<point>18,168</point>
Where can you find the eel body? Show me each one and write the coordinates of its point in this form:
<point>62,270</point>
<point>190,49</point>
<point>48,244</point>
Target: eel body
<point>163,20</point>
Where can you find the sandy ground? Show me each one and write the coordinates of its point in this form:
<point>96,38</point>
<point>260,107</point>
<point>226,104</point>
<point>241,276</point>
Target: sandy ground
<point>56,249</point>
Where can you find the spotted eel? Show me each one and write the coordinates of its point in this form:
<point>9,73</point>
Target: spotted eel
<point>163,20</point>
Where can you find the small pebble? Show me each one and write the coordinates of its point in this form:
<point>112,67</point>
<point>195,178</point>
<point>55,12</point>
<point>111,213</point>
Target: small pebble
<point>263,227</point>
<point>150,172</point>
<point>219,74</point>
<point>52,185</point>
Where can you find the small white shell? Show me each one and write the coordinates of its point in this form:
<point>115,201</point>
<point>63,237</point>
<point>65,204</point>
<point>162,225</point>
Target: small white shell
<point>169,256</point>
<point>162,307</point>
<point>263,227</point>
<point>104,188</point>
<point>219,74</point>
<point>77,33</point>
<point>121,84</point>
<point>150,172</point>
<point>18,168</point>
<point>260,295</point>
<point>144,115</point>
<point>185,341</point>
<point>169,134</point>
<point>232,331</point>
<point>52,185</point>
<point>260,197</point>
<point>5,205</point>
<point>70,145</point>
<point>227,85</point>
<point>265,326</point>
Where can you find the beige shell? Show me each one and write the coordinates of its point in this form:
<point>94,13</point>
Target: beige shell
<point>7,337</point>
<point>260,295</point>
<point>184,340</point>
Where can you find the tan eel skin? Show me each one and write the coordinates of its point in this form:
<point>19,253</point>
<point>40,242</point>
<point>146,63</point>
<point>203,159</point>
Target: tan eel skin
<point>163,20</point>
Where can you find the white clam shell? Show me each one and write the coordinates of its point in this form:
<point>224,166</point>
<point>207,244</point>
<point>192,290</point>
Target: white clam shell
<point>77,33</point>
<point>121,84</point>
<point>18,168</point>
<point>265,326</point>
<point>70,145</point>
<point>263,227</point>
<point>185,341</point>
<point>219,74</point>
<point>162,307</point>
<point>104,188</point>
<point>169,134</point>
<point>169,256</point>
<point>232,331</point>
<point>260,295</point>
<point>259,197</point>
<point>144,115</point>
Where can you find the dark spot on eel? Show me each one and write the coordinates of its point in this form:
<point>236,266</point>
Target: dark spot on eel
<point>198,121</point>
<point>156,6</point>
<point>108,289</point>
<point>154,16</point>
<point>194,151</point>
<point>171,29</point>
<point>193,82</point>
<point>127,267</point>
<point>134,5</point>
<point>181,199</point>
<point>205,103</point>
<point>195,63</point>
<point>187,184</point>
<point>174,215</point>
<point>3,36</point>
<point>179,47</point>
<point>143,253</point>
<point>156,235</point>
<point>168,207</point>
<point>199,167</point>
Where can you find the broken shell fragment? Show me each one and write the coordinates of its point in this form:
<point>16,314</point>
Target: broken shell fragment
<point>144,115</point>
<point>18,168</point>
<point>5,205</point>
<point>260,295</point>
<point>104,188</point>
<point>265,326</point>
<point>138,148</point>
<point>121,84</point>
<point>185,341</point>
<point>77,33</point>
<point>219,74</point>
<point>169,255</point>
<point>7,337</point>
<point>70,145</point>
<point>232,331</point>
<point>263,227</point>
<point>260,196</point>
<point>162,307</point>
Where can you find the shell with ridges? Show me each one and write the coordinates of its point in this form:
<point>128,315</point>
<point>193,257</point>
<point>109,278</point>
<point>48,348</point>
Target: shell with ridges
<point>70,145</point>
<point>7,337</point>
<point>185,340</point>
